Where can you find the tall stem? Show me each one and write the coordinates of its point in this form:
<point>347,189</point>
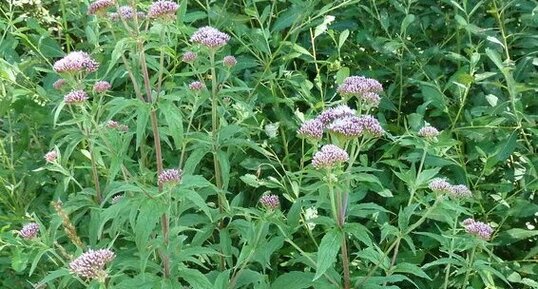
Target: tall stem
<point>469,265</point>
<point>339,217</point>
<point>451,251</point>
<point>420,166</point>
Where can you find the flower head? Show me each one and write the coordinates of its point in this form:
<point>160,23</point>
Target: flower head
<point>51,156</point>
<point>371,125</point>
<point>76,61</point>
<point>270,201</point>
<point>126,12</point>
<point>76,97</point>
<point>196,86</point>
<point>459,191</point>
<point>271,129</point>
<point>29,231</point>
<point>477,228</point>
<point>189,57</point>
<point>91,265</point>
<point>58,84</point>
<point>101,86</point>
<point>333,113</point>
<point>366,89</point>
<point>100,6</point>
<point>112,124</point>
<point>114,16</point>
<point>440,185</point>
<point>210,37</point>
<point>348,127</point>
<point>170,176</point>
<point>428,132</point>
<point>311,129</point>
<point>329,156</point>
<point>163,9</point>
<point>229,61</point>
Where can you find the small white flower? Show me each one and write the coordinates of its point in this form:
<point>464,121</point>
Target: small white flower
<point>311,214</point>
<point>271,129</point>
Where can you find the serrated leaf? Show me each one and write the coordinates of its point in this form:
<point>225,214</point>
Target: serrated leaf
<point>328,249</point>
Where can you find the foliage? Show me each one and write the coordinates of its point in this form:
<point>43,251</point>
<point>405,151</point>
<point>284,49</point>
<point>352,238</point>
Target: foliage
<point>375,219</point>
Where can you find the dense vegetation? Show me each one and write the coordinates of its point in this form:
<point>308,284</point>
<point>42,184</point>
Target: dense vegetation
<point>268,144</point>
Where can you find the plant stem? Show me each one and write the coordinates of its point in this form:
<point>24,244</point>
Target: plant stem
<point>339,217</point>
<point>452,241</point>
<point>469,265</point>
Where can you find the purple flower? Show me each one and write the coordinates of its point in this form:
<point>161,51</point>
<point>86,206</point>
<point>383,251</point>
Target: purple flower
<point>460,191</point>
<point>333,113</point>
<point>101,86</point>
<point>29,231</point>
<point>428,132</point>
<point>163,9</point>
<point>366,89</point>
<point>348,127</point>
<point>126,12</point>
<point>210,37</point>
<point>100,6</point>
<point>58,84</point>
<point>371,126</point>
<point>329,156</point>
<point>270,201</point>
<point>140,15</point>
<point>91,265</point>
<point>229,61</point>
<point>76,61</point>
<point>170,176</point>
<point>477,228</point>
<point>440,185</point>
<point>196,86</point>
<point>311,129</point>
<point>189,57</point>
<point>51,156</point>
<point>112,124</point>
<point>75,97</point>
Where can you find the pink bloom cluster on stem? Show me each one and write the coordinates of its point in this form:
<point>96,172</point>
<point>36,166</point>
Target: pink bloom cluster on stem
<point>91,265</point>
<point>101,86</point>
<point>100,6</point>
<point>51,156</point>
<point>477,228</point>
<point>329,156</point>
<point>76,97</point>
<point>210,37</point>
<point>29,231</point>
<point>189,57</point>
<point>163,9</point>
<point>428,132</point>
<point>440,185</point>
<point>365,89</point>
<point>270,201</point>
<point>76,61</point>
<point>170,176</point>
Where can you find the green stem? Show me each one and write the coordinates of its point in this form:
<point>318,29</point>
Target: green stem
<point>450,252</point>
<point>420,167</point>
<point>469,265</point>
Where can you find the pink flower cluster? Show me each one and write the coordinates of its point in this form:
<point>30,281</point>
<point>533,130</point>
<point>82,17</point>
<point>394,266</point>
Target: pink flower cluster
<point>341,121</point>
<point>439,185</point>
<point>76,97</point>
<point>100,6</point>
<point>163,9</point>
<point>189,57</point>
<point>170,176</point>
<point>76,61</point>
<point>366,89</point>
<point>91,265</point>
<point>58,84</point>
<point>196,86</point>
<point>428,132</point>
<point>29,231</point>
<point>210,37</point>
<point>51,156</point>
<point>477,228</point>
<point>311,129</point>
<point>112,124</point>
<point>329,156</point>
<point>229,61</point>
<point>101,86</point>
<point>270,201</point>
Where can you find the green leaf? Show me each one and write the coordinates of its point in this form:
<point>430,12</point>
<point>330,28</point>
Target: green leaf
<point>328,249</point>
<point>142,117</point>
<point>508,147</point>
<point>293,280</point>
<point>409,18</point>
<point>342,38</point>
<point>411,269</point>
